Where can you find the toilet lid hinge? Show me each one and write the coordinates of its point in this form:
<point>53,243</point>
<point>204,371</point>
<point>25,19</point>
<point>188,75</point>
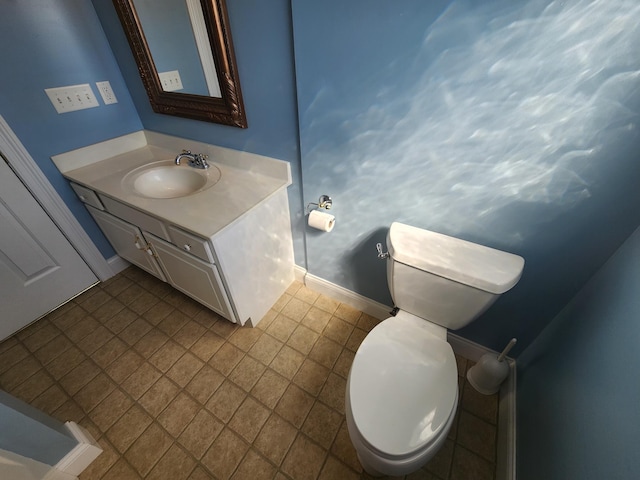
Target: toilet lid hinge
<point>394,311</point>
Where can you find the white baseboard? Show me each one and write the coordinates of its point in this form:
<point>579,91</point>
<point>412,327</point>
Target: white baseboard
<point>506,454</point>
<point>85,452</point>
<point>117,264</point>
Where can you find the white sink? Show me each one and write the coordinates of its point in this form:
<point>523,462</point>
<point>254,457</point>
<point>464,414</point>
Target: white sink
<point>165,179</point>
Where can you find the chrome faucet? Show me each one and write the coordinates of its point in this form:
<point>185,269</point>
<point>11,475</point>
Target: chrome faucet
<point>196,160</point>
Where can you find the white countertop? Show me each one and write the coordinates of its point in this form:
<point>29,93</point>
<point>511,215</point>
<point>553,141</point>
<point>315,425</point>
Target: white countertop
<point>240,188</point>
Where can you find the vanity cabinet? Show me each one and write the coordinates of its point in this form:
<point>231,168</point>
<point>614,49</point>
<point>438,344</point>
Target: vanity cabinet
<point>188,265</point>
<point>128,241</point>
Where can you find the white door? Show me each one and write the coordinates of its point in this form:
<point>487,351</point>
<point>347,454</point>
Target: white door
<point>39,269</point>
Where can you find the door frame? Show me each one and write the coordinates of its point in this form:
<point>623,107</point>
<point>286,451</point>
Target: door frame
<point>28,171</point>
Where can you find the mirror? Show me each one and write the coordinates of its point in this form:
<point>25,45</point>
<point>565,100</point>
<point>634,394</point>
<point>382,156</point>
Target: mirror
<point>185,57</point>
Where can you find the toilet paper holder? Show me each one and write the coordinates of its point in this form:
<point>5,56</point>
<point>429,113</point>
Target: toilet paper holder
<point>323,202</point>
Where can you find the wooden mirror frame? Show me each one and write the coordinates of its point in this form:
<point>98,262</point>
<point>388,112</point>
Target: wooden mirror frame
<point>228,110</point>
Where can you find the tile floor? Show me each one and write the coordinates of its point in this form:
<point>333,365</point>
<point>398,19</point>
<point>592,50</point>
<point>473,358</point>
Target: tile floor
<point>172,391</point>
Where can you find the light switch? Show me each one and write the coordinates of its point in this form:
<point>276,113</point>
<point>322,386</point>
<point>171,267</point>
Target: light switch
<point>72,98</point>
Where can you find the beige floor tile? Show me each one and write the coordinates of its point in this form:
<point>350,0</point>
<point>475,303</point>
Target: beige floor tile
<point>322,424</point>
<point>327,304</point>
<point>207,345</point>
<point>151,342</point>
<point>148,449</point>
<point>176,464</point>
<point>167,355</point>
<point>287,362</point>
<point>302,339</point>
<point>178,414</point>
<point>107,412</point>
<point>109,352</point>
<point>316,319</point>
<point>477,436</point>
<point>128,428</point>
<point>325,352</point>
<point>305,294</point>
<point>265,349</point>
<point>295,405</point>
<point>226,358</point>
<point>185,368</point>
<point>334,469</point>
<point>204,384</point>
<point>200,433</point>
<point>311,377</point>
<point>77,378</point>
<point>225,454</point>
<point>247,373</point>
<point>121,471</point>
<point>94,392</point>
<point>466,465</point>
<point>254,467</point>
<point>50,400</point>
<point>249,419</point>
<point>127,363</point>
<point>245,337</point>
<point>338,330</point>
<point>189,334</point>
<point>347,313</point>
<point>161,394</point>
<point>304,460</point>
<point>135,331</point>
<point>226,400</point>
<point>141,380</point>
<point>275,438</point>
<point>282,327</point>
<point>35,385</point>
<point>173,391</point>
<point>295,309</point>
<point>269,388</point>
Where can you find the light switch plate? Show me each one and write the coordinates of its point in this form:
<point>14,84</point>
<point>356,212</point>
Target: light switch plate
<point>170,81</point>
<point>72,98</point>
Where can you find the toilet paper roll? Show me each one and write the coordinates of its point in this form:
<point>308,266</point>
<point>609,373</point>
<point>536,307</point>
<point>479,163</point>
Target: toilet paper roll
<point>321,220</point>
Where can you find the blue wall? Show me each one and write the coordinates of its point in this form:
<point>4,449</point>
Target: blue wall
<point>511,124</point>
<point>578,393</point>
<point>32,434</point>
<point>55,43</point>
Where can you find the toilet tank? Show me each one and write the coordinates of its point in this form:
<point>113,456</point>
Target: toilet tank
<point>443,279</point>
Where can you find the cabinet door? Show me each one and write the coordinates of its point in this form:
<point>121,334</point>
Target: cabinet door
<point>200,280</point>
<point>128,241</point>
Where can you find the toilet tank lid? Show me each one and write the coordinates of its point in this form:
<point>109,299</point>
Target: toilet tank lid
<point>481,267</point>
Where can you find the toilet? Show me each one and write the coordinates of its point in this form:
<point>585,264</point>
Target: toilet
<point>402,389</point>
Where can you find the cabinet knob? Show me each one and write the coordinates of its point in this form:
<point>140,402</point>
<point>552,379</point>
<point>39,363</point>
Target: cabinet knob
<point>187,247</point>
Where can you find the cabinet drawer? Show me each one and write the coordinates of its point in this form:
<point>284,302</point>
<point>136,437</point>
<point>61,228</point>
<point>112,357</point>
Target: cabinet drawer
<point>190,243</point>
<point>142,220</point>
<point>87,196</point>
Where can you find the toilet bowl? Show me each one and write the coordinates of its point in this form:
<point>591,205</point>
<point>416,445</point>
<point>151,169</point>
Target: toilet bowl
<point>402,390</point>
<point>398,364</point>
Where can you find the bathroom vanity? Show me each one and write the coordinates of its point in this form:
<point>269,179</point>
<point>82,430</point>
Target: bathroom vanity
<point>220,235</point>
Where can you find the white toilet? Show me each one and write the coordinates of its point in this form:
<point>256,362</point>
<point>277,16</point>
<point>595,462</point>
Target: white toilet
<point>402,389</point>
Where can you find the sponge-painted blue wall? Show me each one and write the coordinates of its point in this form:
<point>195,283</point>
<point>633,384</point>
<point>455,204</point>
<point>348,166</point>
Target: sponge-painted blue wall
<point>578,393</point>
<point>55,43</point>
<point>511,124</point>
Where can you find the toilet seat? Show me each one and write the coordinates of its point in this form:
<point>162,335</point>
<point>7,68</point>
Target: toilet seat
<point>403,386</point>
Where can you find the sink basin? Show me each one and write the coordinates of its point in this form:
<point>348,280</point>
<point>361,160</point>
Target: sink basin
<point>165,179</point>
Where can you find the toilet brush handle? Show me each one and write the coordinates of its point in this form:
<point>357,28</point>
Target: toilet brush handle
<point>509,346</point>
